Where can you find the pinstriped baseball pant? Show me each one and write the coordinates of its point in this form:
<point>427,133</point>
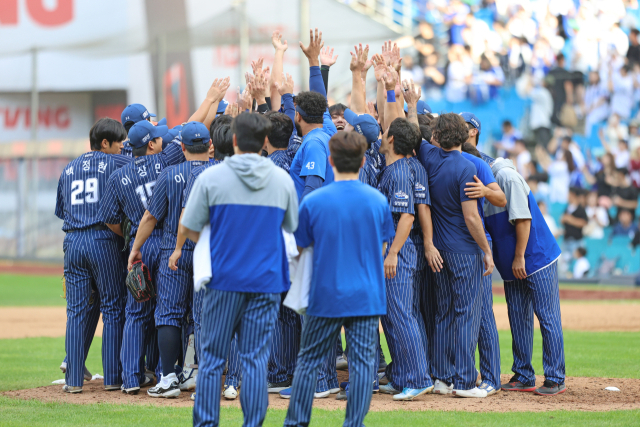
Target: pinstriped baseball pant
<point>93,256</point>
<point>253,317</point>
<point>488,339</point>
<point>284,345</point>
<point>539,294</point>
<point>92,323</point>
<point>319,338</point>
<point>140,335</point>
<point>458,314</point>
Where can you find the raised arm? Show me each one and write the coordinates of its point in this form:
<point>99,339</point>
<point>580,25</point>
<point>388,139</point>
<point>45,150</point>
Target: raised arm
<point>277,69</point>
<point>285,90</point>
<point>214,95</point>
<point>312,51</point>
<point>412,98</point>
<point>326,61</point>
<point>358,59</point>
<point>390,107</point>
<point>381,94</point>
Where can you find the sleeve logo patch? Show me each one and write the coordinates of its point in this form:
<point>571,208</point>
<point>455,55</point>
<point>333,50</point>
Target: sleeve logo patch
<point>400,195</point>
<point>420,187</point>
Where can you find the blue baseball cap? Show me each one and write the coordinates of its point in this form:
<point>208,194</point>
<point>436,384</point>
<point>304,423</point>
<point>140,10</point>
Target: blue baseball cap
<point>162,122</point>
<point>471,118</point>
<point>421,107</point>
<point>170,135</point>
<point>195,133</point>
<point>364,124</point>
<point>222,106</point>
<point>142,132</point>
<point>134,113</point>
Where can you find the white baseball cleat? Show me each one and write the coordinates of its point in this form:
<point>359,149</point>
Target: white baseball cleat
<point>474,392</point>
<point>440,387</point>
<point>167,387</point>
<point>188,379</point>
<point>230,392</point>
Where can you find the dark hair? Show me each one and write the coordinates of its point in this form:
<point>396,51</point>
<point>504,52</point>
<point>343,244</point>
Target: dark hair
<point>469,127</point>
<point>337,109</point>
<point>347,150</point>
<point>313,104</point>
<point>250,131</point>
<point>139,151</point>
<point>467,147</point>
<point>568,157</point>
<point>425,119</point>
<point>450,130</point>
<point>222,141</point>
<point>623,171</point>
<point>106,128</point>
<point>567,138</point>
<point>219,121</point>
<point>582,251</point>
<point>426,133</point>
<point>198,148</point>
<point>507,123</point>
<point>128,125</point>
<point>281,130</point>
<point>635,31</point>
<point>406,136</point>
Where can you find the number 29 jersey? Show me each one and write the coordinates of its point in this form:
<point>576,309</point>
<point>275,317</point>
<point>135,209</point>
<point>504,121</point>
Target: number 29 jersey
<point>81,188</point>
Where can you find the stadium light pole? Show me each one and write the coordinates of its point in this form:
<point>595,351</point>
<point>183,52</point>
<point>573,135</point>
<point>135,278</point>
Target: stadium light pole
<point>303,30</point>
<point>244,41</point>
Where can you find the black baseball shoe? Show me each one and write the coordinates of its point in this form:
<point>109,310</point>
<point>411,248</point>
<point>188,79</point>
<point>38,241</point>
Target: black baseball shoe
<point>278,387</point>
<point>515,384</point>
<point>550,388</point>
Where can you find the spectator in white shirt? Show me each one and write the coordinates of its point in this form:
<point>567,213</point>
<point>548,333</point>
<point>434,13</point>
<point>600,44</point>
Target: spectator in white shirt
<point>582,266</point>
<point>598,217</point>
<point>621,88</point>
<point>522,158</point>
<point>596,107</point>
<point>551,222</point>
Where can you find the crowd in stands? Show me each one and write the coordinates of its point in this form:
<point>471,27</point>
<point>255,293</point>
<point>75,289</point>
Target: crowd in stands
<point>577,63</point>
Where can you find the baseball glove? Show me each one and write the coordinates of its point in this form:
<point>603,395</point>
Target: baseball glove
<point>139,282</point>
<point>125,225</point>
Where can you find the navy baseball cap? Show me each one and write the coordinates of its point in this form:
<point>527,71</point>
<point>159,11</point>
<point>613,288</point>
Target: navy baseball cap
<point>421,107</point>
<point>134,113</point>
<point>170,135</point>
<point>471,118</point>
<point>195,133</point>
<point>162,122</point>
<point>222,106</point>
<point>364,124</point>
<point>142,132</point>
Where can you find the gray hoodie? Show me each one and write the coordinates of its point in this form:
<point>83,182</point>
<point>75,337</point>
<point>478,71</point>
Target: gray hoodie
<point>515,189</point>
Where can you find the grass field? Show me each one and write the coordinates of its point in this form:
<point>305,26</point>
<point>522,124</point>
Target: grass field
<point>33,362</point>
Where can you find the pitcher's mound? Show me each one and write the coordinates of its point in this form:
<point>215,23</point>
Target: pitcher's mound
<point>583,394</point>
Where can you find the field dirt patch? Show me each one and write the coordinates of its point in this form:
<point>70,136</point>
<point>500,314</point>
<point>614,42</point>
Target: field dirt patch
<point>26,322</point>
<point>583,394</point>
<point>31,268</point>
<point>587,294</point>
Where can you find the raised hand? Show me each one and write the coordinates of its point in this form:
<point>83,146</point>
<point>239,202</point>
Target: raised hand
<point>327,58</point>
<point>244,99</point>
<point>232,110</point>
<point>387,52</point>
<point>248,77</point>
<point>409,91</point>
<point>266,73</point>
<point>256,66</point>
<point>395,58</point>
<point>312,51</point>
<point>380,69</point>
<point>371,106</point>
<point>390,79</point>
<point>286,86</point>
<point>276,41</point>
<point>259,88</point>
<point>218,89</point>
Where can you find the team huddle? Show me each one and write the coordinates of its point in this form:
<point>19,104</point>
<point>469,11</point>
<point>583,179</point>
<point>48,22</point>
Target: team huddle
<point>400,218</point>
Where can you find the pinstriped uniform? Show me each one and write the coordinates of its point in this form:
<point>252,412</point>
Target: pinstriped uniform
<point>92,257</point>
<point>129,192</point>
<point>234,370</point>
<point>403,324</point>
<point>92,323</point>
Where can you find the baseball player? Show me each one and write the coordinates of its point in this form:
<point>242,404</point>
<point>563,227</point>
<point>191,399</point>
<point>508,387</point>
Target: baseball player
<point>129,192</point>
<point>403,326</point>
<point>474,128</point>
<point>526,255</point>
<point>174,287</point>
<point>456,254</point>
<point>247,200</point>
<point>92,256</point>
<point>131,115</point>
<point>325,214</point>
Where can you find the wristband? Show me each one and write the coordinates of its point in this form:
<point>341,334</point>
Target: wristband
<point>391,96</point>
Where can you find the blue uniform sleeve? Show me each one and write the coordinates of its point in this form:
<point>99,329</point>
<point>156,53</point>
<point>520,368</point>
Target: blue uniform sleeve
<point>160,202</point>
<point>314,160</point>
<point>110,210</point>
<point>421,186</point>
<point>60,200</point>
<point>402,200</point>
<point>466,175</point>
<point>311,183</point>
<point>187,189</point>
<point>173,154</point>
<point>316,83</point>
<point>304,233</point>
<point>484,173</point>
<point>388,230</point>
<point>289,108</point>
<point>327,124</point>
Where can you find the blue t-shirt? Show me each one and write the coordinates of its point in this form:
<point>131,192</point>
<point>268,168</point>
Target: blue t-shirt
<point>485,175</point>
<point>347,223</point>
<point>166,203</point>
<point>81,187</point>
<point>448,173</point>
<point>312,158</point>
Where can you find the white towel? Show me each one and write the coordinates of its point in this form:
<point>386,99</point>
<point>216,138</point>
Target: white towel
<point>298,297</point>
<point>202,260</point>
<point>202,257</point>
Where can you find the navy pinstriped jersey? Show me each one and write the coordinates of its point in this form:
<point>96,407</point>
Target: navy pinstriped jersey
<point>397,184</point>
<point>127,150</point>
<point>487,159</point>
<point>294,143</point>
<point>130,189</point>
<point>281,159</point>
<point>81,188</point>
<point>373,164</point>
<point>166,204</point>
<point>195,172</point>
<point>420,196</point>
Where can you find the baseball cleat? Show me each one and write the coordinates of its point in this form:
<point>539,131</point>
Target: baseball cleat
<point>146,382</point>
<point>193,396</point>
<point>131,390</point>
<point>168,387</point>
<point>63,367</point>
<point>382,366</point>
<point>230,392</point>
<point>113,387</point>
<point>87,374</point>
<point>412,393</point>
<point>382,379</point>
<point>334,390</point>
<point>278,387</point>
<point>489,388</point>
<point>515,384</point>
<point>388,389</point>
<point>478,379</point>
<point>474,392</point>
<point>188,379</point>
<point>70,389</point>
<point>322,394</point>
<point>550,388</point>
<point>342,395</point>
<point>440,387</point>
<point>341,363</point>
<point>286,393</point>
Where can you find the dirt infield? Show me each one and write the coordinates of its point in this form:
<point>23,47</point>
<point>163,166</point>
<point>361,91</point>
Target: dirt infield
<point>31,268</point>
<point>587,294</point>
<point>583,394</point>
<point>25,322</point>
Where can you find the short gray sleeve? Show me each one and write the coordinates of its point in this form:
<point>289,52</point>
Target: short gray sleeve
<point>196,211</point>
<point>517,200</point>
<point>290,222</point>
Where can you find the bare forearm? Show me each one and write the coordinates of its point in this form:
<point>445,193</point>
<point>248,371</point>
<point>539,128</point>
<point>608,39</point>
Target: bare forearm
<point>390,112</point>
<point>203,110</point>
<point>496,196</point>
<point>211,115</point>
<point>181,238</point>
<point>357,93</point>
<point>412,114</point>
<point>523,228</point>
<point>147,224</point>
<point>474,224</point>
<point>402,233</point>
<point>381,100</point>
<point>424,216</point>
<point>190,234</point>
<point>627,204</point>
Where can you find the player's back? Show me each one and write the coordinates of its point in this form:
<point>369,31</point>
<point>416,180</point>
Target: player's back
<point>312,158</point>
<point>81,186</point>
<point>195,173</point>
